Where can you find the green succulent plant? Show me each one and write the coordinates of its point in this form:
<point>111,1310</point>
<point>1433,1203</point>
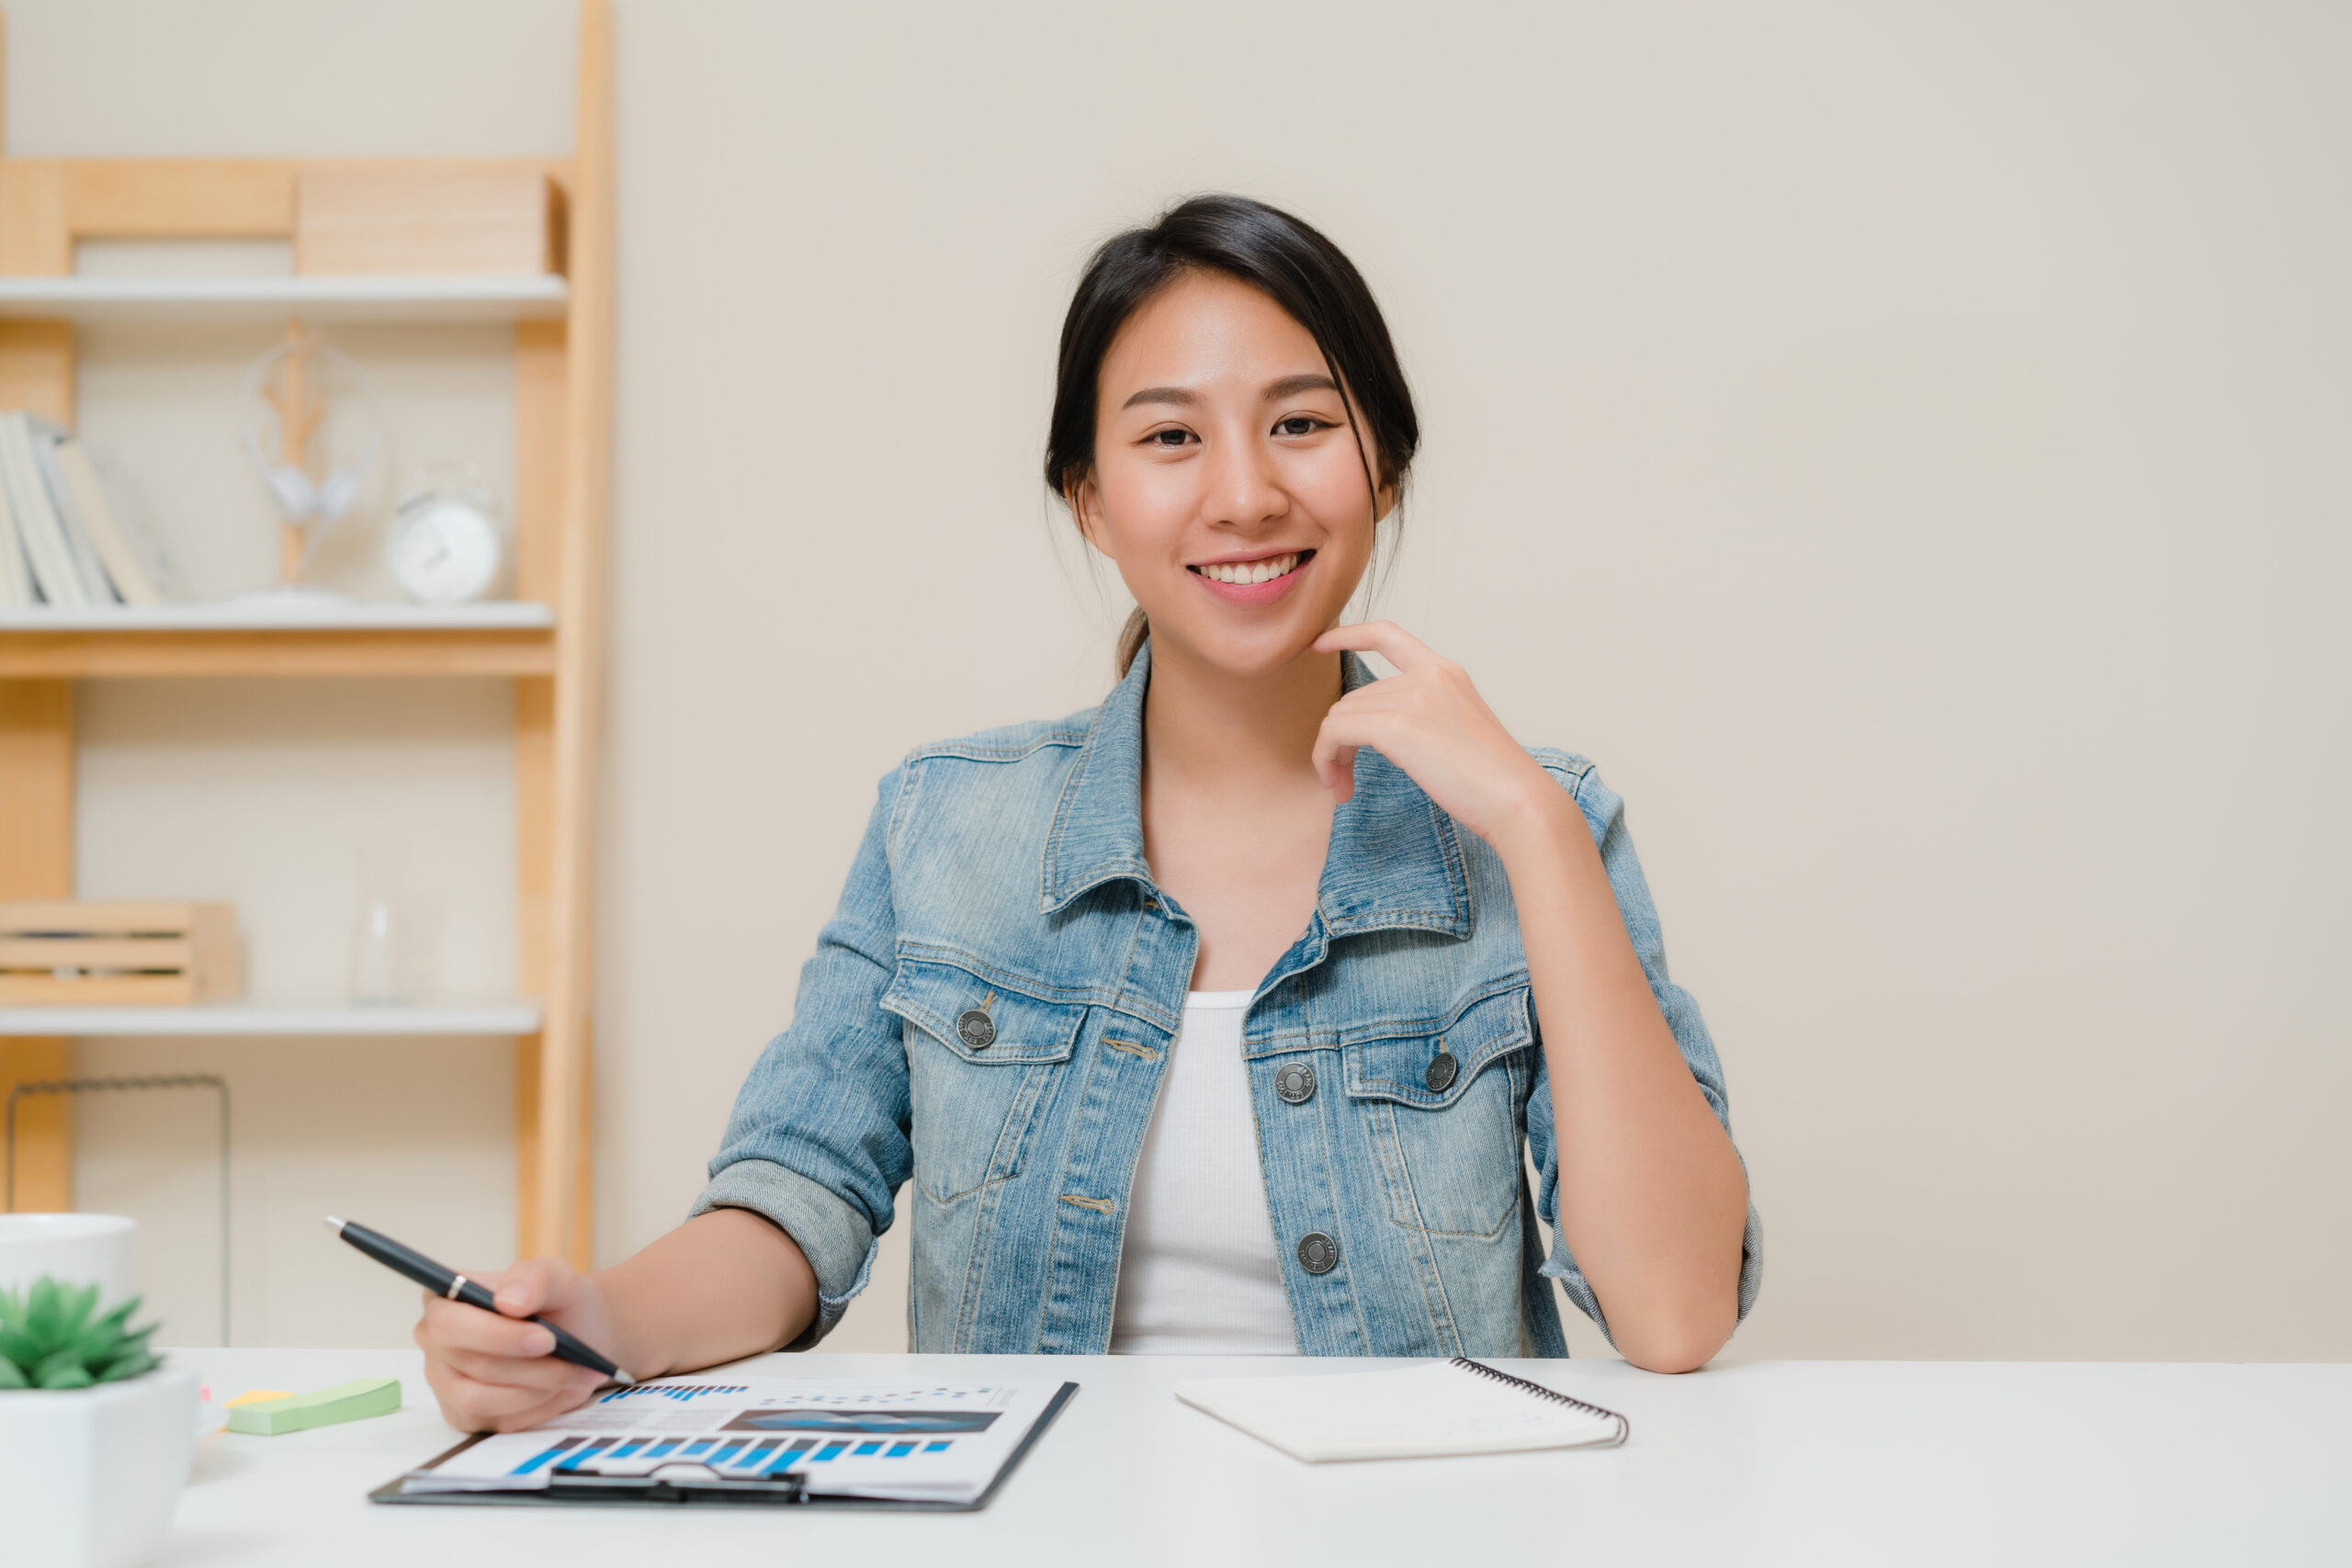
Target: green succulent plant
<point>48,1339</point>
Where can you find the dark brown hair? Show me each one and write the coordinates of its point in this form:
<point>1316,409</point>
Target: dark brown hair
<point>1287,259</point>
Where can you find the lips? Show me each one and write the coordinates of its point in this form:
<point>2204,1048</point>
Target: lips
<point>1259,581</point>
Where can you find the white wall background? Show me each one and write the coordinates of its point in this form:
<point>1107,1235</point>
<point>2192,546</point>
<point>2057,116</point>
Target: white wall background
<point>1900,444</point>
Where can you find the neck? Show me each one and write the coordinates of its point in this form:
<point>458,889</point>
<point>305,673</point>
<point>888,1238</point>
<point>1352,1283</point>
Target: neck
<point>1213,728</point>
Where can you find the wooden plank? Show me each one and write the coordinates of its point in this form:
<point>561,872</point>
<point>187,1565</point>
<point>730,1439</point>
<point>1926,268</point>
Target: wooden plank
<point>454,651</point>
<point>46,204</point>
<point>35,239</point>
<point>37,861</point>
<point>539,412</point>
<point>466,219</point>
<point>173,953</point>
<point>541,406</point>
<point>35,789</point>
<point>565,1066</point>
<point>37,368</point>
<point>534,855</point>
<point>115,917</point>
<point>44,1124</point>
<point>98,991</point>
<point>530,1237</point>
<point>170,199</point>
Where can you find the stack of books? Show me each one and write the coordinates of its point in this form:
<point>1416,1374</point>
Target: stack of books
<point>61,544</point>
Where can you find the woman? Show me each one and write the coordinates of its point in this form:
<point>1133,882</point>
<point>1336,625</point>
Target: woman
<point>1216,1019</point>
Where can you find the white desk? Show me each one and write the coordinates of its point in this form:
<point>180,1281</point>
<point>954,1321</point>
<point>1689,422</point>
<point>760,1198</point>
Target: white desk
<point>1771,1463</point>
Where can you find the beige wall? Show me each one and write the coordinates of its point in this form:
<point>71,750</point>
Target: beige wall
<point>1902,446</point>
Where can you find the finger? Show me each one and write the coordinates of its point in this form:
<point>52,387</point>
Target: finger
<point>457,1327</point>
<point>488,1407</point>
<point>534,1285</point>
<point>1335,758</point>
<point>569,1399</point>
<point>1386,639</point>
<point>1338,771</point>
<point>1350,728</point>
<point>538,1375</point>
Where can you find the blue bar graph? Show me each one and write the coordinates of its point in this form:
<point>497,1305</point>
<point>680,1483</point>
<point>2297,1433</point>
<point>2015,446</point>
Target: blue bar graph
<point>830,1450</point>
<point>536,1461</point>
<point>900,1451</point>
<point>679,1391</point>
<point>935,1448</point>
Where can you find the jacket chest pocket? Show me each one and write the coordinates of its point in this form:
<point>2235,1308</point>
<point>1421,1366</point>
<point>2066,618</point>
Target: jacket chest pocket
<point>981,1061</point>
<point>1444,1112</point>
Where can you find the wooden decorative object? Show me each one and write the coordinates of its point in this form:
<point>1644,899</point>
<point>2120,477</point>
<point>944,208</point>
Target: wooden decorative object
<point>299,413</point>
<point>80,953</point>
<point>427,219</point>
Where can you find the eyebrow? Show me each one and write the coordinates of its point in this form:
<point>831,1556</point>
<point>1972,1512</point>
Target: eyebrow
<point>1291,386</point>
<point>1176,395</point>
<point>1288,387</point>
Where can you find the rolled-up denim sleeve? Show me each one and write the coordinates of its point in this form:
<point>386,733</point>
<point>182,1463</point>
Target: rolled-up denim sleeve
<point>818,1142</point>
<point>1604,812</point>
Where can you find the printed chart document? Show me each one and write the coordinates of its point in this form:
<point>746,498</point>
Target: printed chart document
<point>943,1443</point>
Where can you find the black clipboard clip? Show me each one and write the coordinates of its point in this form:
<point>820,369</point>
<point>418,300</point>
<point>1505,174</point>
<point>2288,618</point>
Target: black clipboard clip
<point>668,1480</point>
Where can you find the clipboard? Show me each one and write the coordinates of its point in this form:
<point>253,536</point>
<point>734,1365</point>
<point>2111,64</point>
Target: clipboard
<point>690,1484</point>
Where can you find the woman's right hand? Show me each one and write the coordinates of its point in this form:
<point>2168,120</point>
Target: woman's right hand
<point>492,1373</point>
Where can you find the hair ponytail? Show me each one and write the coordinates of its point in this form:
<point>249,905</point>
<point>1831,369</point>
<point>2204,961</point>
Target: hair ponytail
<point>1131,637</point>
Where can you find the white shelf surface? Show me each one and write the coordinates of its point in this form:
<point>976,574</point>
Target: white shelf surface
<point>262,614</point>
<point>400,298</point>
<point>223,1019</point>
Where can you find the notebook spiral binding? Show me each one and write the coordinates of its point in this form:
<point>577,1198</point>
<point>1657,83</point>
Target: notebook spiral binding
<point>1625,1428</point>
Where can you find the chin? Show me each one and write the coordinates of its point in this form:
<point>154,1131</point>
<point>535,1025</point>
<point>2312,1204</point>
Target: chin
<point>1247,655</point>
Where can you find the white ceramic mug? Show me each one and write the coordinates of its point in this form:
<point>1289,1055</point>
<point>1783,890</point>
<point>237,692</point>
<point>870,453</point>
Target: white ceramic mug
<point>73,1249</point>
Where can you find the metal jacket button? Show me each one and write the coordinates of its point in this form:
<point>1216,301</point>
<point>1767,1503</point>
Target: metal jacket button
<point>1443,1068</point>
<point>1317,1253</point>
<point>977,1029</point>
<point>1295,1081</point>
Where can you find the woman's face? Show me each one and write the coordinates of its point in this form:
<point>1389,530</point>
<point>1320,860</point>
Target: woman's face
<point>1227,482</point>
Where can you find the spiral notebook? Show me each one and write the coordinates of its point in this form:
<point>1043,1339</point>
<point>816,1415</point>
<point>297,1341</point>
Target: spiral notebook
<point>1459,1406</point>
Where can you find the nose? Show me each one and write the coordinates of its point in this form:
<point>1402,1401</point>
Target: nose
<point>1244,491</point>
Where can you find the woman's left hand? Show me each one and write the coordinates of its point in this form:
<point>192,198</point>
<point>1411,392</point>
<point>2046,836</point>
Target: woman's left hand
<point>1431,721</point>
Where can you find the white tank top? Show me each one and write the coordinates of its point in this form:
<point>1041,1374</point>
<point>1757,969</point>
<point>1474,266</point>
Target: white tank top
<point>1198,1272</point>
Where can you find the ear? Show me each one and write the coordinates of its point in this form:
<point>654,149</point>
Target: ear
<point>1085,500</point>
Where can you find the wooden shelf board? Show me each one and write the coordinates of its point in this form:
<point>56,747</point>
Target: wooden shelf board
<point>317,300</point>
<point>505,638</point>
<point>263,614</point>
<point>220,1020</point>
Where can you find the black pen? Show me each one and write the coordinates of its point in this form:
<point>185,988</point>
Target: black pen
<point>455,1287</point>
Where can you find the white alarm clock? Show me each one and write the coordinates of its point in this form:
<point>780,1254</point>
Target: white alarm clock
<point>445,547</point>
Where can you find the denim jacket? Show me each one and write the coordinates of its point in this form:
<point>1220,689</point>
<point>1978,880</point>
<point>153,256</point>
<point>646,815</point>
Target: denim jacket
<point>990,1012</point>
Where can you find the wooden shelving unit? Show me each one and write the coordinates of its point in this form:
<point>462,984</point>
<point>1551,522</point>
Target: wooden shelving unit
<point>549,641</point>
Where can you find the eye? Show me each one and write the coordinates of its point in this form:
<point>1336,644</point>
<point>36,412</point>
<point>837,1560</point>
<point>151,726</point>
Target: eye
<point>1171,437</point>
<point>1300,425</point>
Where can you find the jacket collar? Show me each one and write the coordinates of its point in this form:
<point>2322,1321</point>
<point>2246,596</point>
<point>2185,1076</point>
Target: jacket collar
<point>1394,860</point>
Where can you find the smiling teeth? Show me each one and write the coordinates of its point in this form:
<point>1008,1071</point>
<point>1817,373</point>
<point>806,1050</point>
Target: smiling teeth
<point>1249,572</point>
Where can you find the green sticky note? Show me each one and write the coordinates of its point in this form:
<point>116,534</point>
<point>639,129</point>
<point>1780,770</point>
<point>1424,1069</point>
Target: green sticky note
<point>353,1400</point>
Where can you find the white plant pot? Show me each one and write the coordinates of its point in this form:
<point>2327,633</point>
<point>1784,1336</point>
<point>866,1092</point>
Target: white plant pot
<point>91,1474</point>
<point>75,1249</point>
